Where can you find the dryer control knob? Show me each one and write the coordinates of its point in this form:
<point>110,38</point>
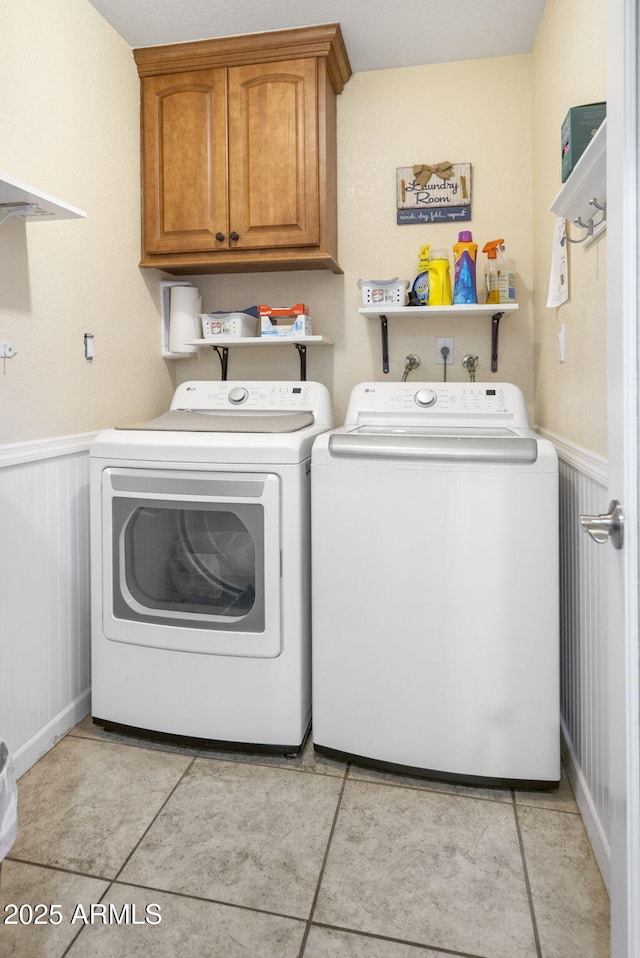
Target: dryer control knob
<point>426,397</point>
<point>238,395</point>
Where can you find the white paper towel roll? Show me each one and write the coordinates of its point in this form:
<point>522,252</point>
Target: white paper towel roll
<point>183,317</point>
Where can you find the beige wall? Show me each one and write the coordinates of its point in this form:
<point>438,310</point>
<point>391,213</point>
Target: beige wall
<point>568,69</point>
<point>69,114</point>
<point>69,119</point>
<point>388,119</point>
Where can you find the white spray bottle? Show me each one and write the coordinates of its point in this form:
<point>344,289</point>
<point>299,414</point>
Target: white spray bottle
<point>500,274</point>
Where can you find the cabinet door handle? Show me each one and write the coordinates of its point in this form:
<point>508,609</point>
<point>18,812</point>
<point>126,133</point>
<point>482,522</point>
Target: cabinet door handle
<point>234,236</point>
<point>220,236</point>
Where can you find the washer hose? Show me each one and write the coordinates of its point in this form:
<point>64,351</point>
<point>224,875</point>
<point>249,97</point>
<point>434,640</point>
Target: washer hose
<point>413,361</point>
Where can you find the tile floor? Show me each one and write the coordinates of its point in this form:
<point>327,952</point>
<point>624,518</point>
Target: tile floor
<point>267,857</point>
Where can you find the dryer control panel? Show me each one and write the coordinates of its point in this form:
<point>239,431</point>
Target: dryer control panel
<point>207,396</point>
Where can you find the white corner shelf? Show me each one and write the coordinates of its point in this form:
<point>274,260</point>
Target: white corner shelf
<point>26,203</point>
<point>386,312</point>
<point>586,182</point>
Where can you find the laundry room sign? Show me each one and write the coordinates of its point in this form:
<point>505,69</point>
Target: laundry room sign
<point>433,192</point>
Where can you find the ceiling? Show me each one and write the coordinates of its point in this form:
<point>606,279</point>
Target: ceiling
<point>379,34</point>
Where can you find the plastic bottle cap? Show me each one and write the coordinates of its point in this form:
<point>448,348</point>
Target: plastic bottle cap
<point>439,254</point>
<point>491,248</point>
<point>465,236</point>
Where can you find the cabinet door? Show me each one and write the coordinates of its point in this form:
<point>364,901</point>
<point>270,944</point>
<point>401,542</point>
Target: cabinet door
<point>184,133</point>
<point>273,155</point>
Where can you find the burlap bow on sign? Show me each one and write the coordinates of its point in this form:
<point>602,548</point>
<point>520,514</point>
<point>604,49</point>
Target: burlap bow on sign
<point>423,172</point>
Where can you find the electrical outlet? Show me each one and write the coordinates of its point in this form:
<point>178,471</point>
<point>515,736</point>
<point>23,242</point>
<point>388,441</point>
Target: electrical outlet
<point>440,342</point>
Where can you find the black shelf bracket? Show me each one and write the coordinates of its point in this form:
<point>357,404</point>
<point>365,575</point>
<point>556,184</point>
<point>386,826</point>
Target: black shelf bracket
<point>224,360</point>
<point>385,343</point>
<point>302,353</point>
<point>459,311</point>
<point>495,323</point>
<point>223,356</point>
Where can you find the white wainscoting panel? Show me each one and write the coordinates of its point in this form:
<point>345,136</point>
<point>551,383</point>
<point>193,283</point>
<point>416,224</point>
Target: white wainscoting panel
<point>45,620</point>
<point>44,593</point>
<point>583,659</point>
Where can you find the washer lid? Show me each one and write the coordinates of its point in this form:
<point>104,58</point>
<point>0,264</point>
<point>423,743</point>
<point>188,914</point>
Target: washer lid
<point>183,420</point>
<point>435,444</point>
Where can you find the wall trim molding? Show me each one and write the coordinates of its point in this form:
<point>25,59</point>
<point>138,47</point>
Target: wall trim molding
<point>589,463</point>
<point>16,453</point>
<point>47,736</point>
<point>599,841</point>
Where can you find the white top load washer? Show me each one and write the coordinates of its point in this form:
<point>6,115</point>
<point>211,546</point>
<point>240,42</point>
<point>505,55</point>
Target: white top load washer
<point>435,585</point>
<point>200,529</point>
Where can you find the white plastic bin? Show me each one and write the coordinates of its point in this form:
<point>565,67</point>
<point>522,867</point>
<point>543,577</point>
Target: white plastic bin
<point>239,324</point>
<point>381,291</point>
<point>8,803</point>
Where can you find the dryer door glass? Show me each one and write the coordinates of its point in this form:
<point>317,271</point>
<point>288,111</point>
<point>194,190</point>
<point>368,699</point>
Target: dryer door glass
<point>200,561</point>
<point>192,551</point>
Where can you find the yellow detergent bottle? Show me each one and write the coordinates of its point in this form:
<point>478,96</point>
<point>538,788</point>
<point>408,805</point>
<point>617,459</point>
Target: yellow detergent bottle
<point>439,279</point>
<point>500,274</point>
<point>421,283</point>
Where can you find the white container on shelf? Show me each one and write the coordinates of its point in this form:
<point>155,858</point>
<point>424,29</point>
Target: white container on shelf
<point>228,324</point>
<point>382,291</point>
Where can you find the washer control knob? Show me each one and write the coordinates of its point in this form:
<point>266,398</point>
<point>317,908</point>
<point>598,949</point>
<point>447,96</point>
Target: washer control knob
<point>426,397</point>
<point>238,395</point>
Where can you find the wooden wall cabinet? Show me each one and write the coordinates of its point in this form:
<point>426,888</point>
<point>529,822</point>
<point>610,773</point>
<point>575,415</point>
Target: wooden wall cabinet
<point>239,152</point>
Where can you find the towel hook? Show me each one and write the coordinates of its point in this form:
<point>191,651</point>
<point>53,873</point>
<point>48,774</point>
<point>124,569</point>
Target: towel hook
<point>589,226</point>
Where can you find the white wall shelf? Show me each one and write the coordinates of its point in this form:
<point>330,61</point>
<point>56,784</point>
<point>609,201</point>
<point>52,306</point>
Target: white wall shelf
<point>225,342</point>
<point>262,341</point>
<point>385,313</point>
<point>25,203</point>
<point>586,183</point>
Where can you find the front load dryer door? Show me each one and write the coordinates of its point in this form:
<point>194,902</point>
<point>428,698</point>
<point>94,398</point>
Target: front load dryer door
<point>192,560</point>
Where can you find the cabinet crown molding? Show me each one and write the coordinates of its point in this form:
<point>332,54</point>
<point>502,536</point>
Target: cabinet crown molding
<point>323,41</point>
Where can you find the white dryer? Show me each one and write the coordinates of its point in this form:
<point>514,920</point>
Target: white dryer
<point>435,586</point>
<point>200,529</point>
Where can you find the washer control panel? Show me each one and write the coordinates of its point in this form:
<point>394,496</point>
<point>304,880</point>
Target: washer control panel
<point>470,398</point>
<point>446,401</point>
